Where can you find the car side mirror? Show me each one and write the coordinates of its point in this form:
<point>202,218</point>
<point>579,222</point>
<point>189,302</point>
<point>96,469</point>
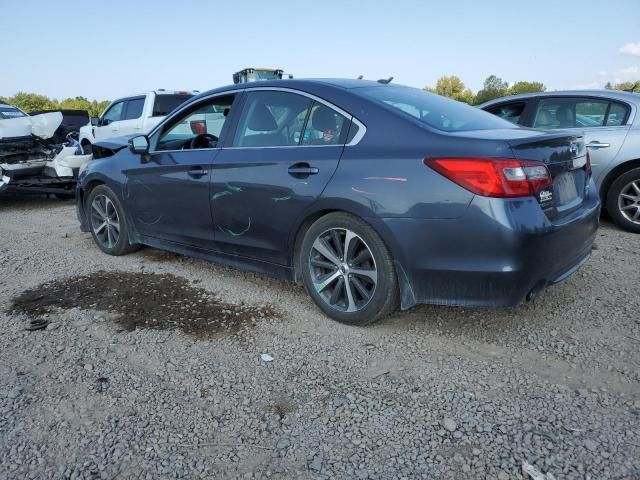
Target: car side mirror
<point>103,122</point>
<point>95,121</point>
<point>139,144</point>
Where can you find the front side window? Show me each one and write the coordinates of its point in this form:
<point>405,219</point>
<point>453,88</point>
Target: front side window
<point>554,113</point>
<point>114,113</point>
<point>199,127</point>
<point>509,111</point>
<point>134,108</point>
<point>272,119</point>
<point>433,110</point>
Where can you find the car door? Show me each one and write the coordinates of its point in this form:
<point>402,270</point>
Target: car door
<point>108,124</point>
<point>131,122</point>
<point>600,120</point>
<point>168,191</point>
<point>285,148</point>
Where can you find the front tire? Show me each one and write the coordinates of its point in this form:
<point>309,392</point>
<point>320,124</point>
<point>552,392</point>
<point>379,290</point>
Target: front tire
<point>623,200</point>
<point>107,221</point>
<point>347,270</point>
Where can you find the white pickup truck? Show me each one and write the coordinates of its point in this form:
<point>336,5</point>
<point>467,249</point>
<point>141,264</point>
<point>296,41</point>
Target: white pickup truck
<point>131,115</point>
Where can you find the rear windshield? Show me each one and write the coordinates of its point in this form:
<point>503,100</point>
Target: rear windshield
<point>10,112</point>
<point>436,111</point>
<point>166,103</point>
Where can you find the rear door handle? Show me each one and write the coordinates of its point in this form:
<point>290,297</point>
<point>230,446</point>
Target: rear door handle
<point>596,144</point>
<point>302,169</point>
<point>197,172</point>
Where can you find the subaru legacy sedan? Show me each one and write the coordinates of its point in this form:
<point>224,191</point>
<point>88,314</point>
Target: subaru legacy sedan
<point>610,124</point>
<point>371,195</point>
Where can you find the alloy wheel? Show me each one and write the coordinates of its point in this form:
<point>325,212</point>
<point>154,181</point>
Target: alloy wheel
<point>343,269</point>
<point>629,201</point>
<point>105,222</point>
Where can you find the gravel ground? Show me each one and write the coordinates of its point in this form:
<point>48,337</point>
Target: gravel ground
<point>449,393</point>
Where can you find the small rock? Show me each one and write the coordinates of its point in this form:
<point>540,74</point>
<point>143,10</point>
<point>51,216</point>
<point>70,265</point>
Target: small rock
<point>88,367</point>
<point>15,393</point>
<point>449,424</point>
<point>590,445</point>
<point>283,444</point>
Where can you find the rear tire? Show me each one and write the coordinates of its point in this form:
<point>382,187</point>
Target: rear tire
<point>347,270</point>
<point>108,222</point>
<point>623,201</point>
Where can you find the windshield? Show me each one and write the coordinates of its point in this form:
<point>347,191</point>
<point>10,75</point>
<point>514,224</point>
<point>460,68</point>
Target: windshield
<point>10,112</point>
<point>164,104</point>
<point>436,111</point>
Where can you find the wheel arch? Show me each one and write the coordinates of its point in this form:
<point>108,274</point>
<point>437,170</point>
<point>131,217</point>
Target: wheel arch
<point>614,173</point>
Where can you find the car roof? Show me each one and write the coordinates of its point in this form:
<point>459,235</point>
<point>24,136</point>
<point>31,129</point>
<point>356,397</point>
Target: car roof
<point>604,93</point>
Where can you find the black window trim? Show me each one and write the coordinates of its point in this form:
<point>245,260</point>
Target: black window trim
<point>113,104</point>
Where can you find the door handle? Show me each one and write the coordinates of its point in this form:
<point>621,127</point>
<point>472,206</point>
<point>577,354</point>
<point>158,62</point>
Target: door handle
<point>596,144</point>
<point>197,172</point>
<point>302,170</point>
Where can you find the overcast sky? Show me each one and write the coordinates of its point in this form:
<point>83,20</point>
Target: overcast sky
<point>105,49</point>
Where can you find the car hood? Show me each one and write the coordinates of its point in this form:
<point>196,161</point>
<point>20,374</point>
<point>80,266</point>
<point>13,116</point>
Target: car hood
<point>116,143</point>
<point>43,126</point>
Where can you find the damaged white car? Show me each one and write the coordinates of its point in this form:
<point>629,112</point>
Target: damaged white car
<point>40,152</point>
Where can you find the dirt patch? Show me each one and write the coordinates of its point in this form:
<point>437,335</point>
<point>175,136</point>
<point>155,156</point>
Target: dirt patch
<point>143,300</point>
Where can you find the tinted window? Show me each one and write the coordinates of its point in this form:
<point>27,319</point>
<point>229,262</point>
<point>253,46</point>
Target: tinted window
<point>205,120</point>
<point>570,113</point>
<point>324,127</point>
<point>134,108</point>
<point>272,119</point>
<point>164,104</point>
<point>114,113</point>
<point>10,112</point>
<point>509,111</point>
<point>617,115</point>
<point>434,110</point>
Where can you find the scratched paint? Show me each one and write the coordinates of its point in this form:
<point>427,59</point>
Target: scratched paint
<point>233,188</point>
<point>220,194</point>
<point>235,234</point>
<point>281,199</point>
<point>388,179</point>
<point>362,192</point>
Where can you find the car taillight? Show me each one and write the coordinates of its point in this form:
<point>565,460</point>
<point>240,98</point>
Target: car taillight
<point>494,177</point>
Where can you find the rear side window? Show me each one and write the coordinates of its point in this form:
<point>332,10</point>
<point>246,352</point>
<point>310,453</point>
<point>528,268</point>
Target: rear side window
<point>324,127</point>
<point>272,119</point>
<point>164,104</point>
<point>10,112</point>
<point>433,110</point>
<point>134,108</point>
<point>554,113</point>
<point>508,111</point>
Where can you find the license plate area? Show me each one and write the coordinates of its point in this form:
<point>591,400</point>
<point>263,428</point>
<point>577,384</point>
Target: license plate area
<point>565,189</point>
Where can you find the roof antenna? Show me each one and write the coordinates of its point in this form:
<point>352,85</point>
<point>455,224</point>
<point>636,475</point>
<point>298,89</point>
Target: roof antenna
<point>385,81</point>
<point>360,77</point>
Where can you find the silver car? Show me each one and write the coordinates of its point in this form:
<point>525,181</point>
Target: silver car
<point>610,123</point>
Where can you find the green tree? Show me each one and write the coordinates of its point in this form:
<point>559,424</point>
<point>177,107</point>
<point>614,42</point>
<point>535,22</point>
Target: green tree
<point>31,101</point>
<point>452,87</point>
<point>629,86</point>
<point>526,87</point>
<point>493,87</point>
<point>608,86</point>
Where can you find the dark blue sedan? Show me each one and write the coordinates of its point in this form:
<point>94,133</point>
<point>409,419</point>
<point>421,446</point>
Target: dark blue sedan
<point>371,195</point>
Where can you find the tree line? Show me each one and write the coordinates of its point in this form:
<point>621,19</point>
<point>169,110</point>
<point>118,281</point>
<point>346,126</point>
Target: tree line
<point>31,102</point>
<point>494,87</point>
<point>448,86</point>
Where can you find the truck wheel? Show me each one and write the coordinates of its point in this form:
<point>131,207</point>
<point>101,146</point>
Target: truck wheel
<point>623,200</point>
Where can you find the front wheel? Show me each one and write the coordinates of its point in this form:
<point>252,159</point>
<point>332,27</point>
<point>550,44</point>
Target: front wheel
<point>348,270</point>
<point>108,222</point>
<point>623,200</point>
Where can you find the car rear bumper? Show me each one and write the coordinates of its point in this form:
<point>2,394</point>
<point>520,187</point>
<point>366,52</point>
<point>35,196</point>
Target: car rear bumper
<point>495,255</point>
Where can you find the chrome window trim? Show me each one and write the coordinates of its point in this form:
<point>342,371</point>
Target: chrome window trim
<point>362,128</point>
